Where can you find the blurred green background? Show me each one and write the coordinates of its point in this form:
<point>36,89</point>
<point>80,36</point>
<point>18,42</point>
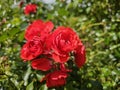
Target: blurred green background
<point>96,21</point>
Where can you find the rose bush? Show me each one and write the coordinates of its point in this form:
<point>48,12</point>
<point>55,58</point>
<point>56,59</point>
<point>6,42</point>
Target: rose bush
<point>92,20</point>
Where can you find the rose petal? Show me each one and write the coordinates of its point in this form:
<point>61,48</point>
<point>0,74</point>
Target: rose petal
<point>60,59</point>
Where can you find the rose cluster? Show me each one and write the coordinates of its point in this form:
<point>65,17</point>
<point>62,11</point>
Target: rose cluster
<point>50,49</point>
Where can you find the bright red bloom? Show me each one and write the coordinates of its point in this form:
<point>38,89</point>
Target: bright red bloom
<point>30,8</point>
<point>62,41</point>
<point>38,28</point>
<point>41,64</point>
<point>56,78</point>
<point>32,49</point>
<point>80,56</point>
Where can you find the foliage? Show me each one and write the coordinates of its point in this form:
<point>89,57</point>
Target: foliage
<point>97,23</point>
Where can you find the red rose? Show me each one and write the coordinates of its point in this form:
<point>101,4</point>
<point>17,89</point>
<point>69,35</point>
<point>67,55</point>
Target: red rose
<point>38,28</point>
<point>41,64</point>
<point>56,79</point>
<point>32,49</point>
<point>30,8</point>
<point>80,56</point>
<point>62,41</point>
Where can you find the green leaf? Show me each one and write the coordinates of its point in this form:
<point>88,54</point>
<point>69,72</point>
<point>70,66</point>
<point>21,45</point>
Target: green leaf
<point>43,87</point>
<point>3,77</point>
<point>96,85</point>
<point>13,32</point>
<point>26,76</point>
<point>62,12</point>
<point>30,86</point>
<point>21,36</point>
<point>3,37</point>
<point>15,82</point>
